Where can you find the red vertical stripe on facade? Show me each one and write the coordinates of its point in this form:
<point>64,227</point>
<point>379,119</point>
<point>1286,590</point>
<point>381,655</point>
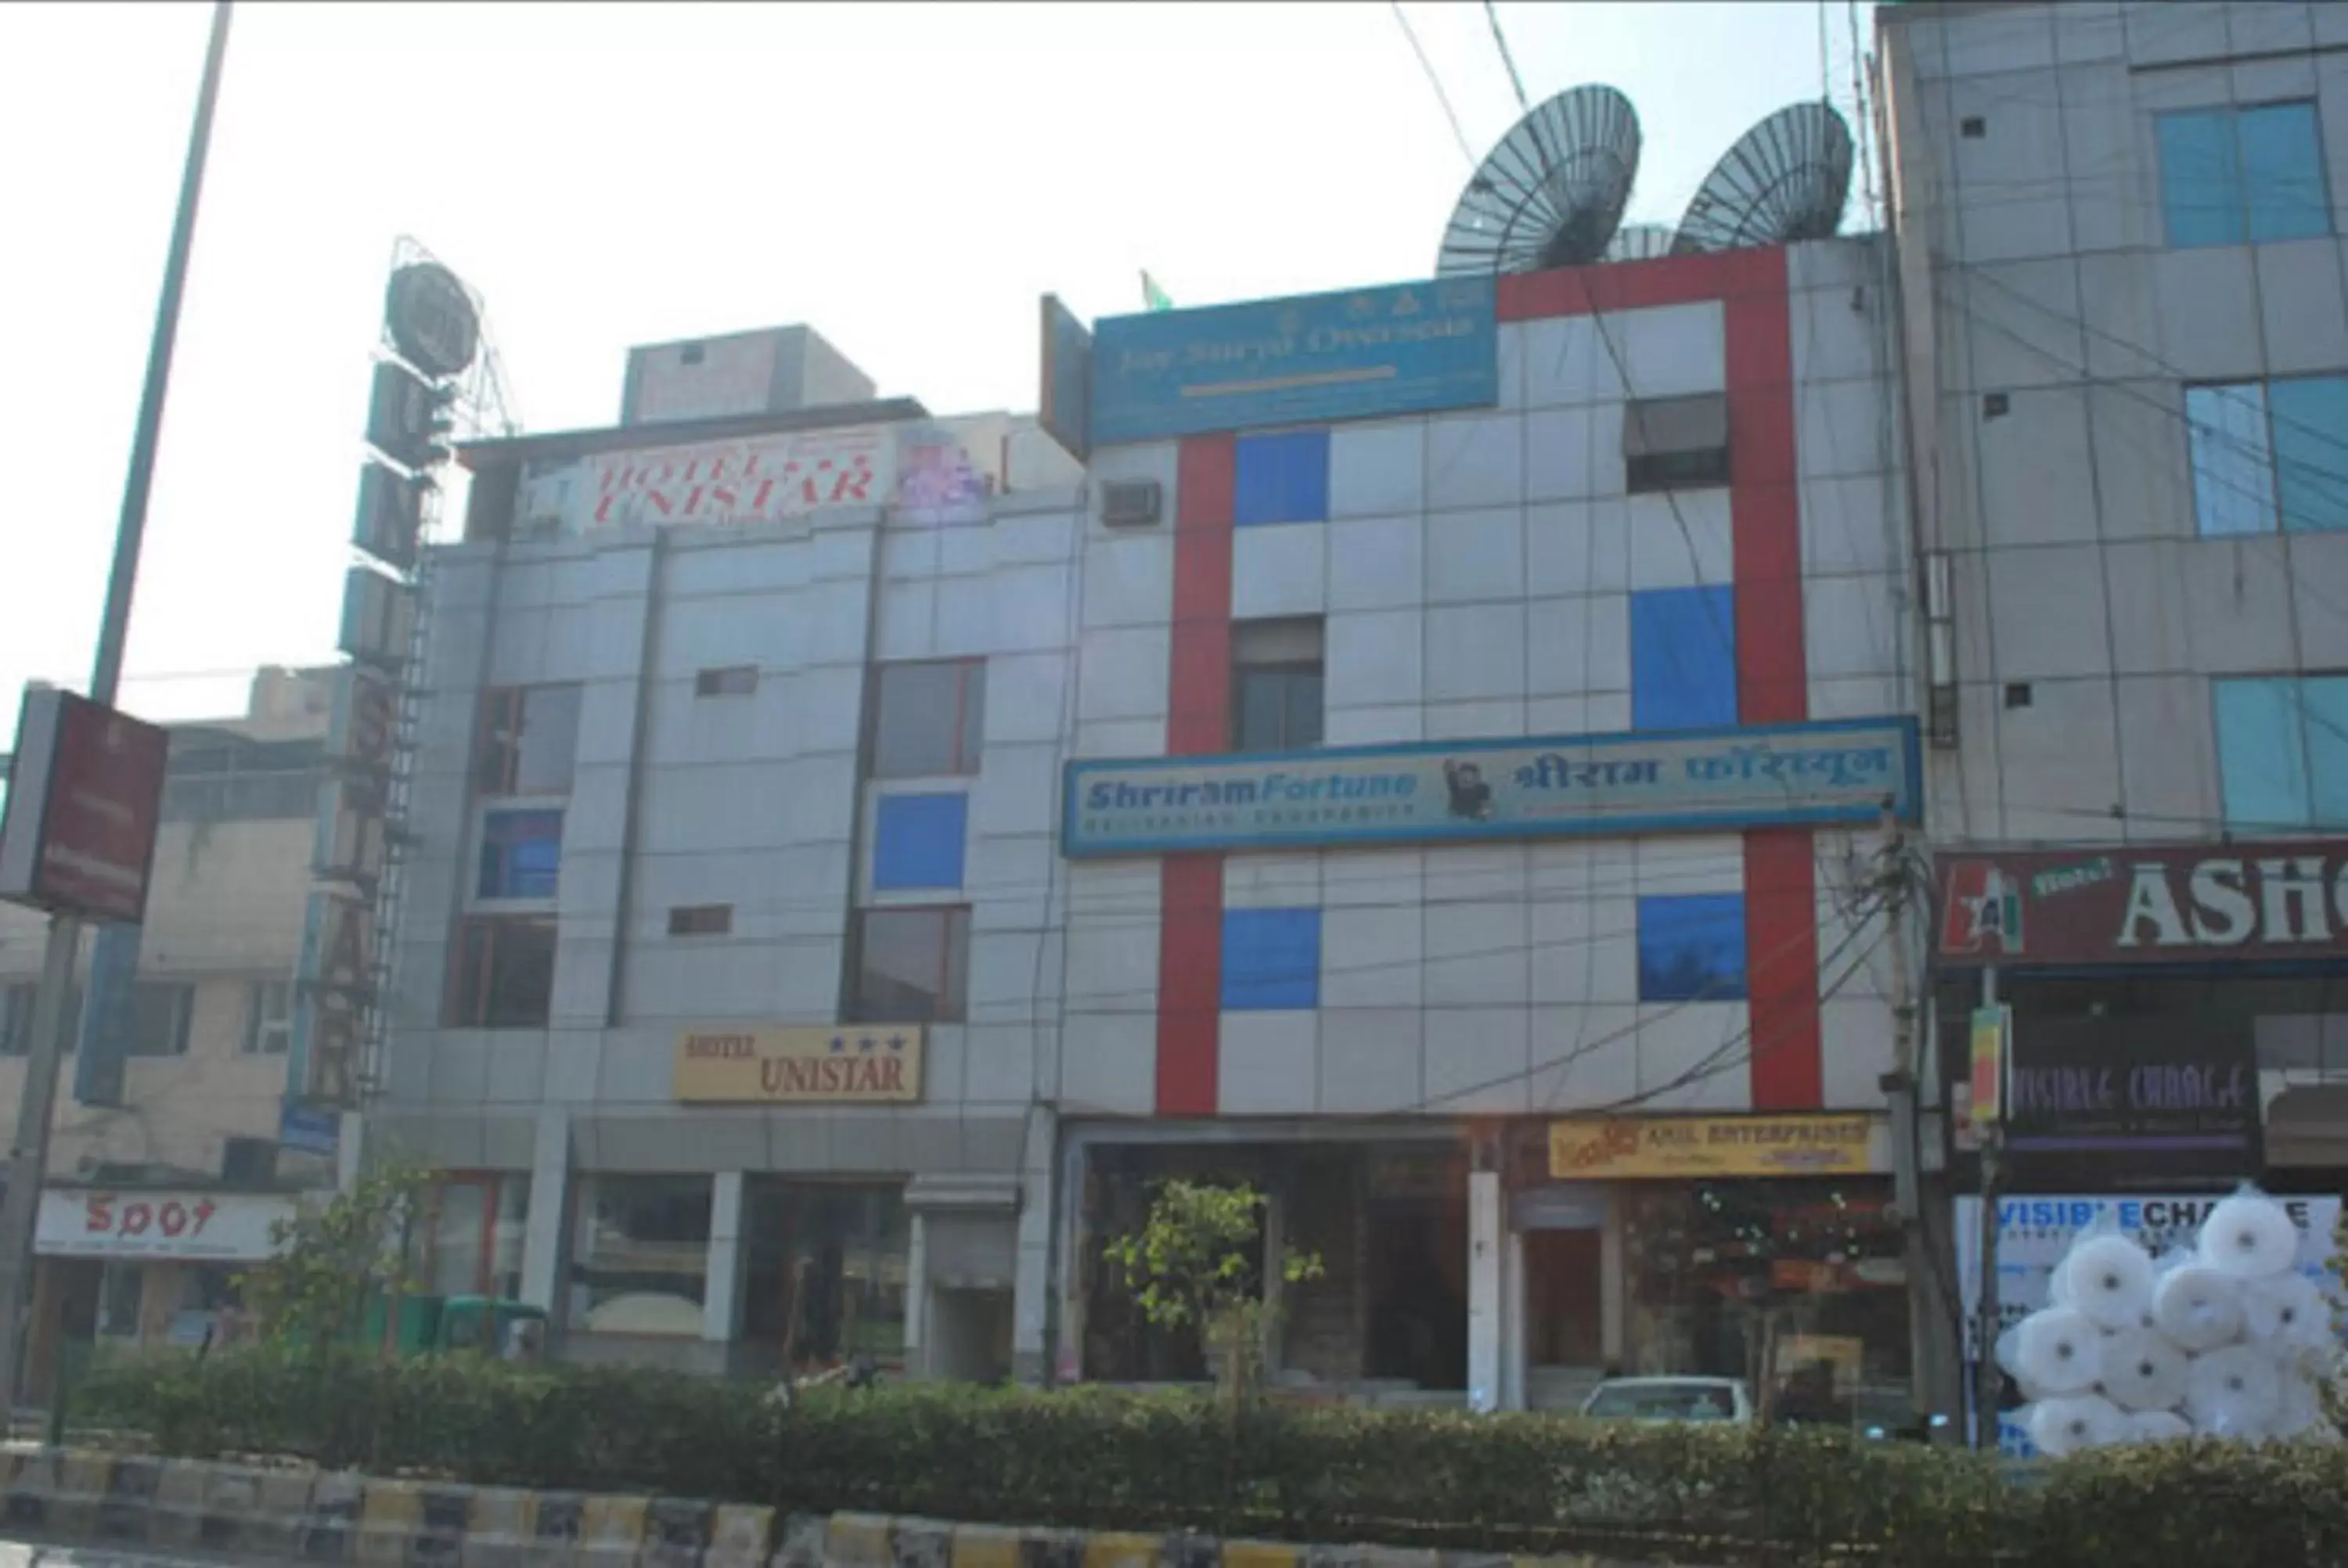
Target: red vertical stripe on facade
<point>1786,1072</point>
<point>1198,723</point>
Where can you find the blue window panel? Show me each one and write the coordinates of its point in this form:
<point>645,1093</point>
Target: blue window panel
<point>1692,948</point>
<point>917,842</point>
<point>521,854</point>
<point>2233,468</point>
<point>1281,478</point>
<point>2311,451</point>
<point>1682,658</point>
<point>2201,185</point>
<point>2282,172</point>
<point>1272,959</point>
<point>2324,716</point>
<point>2261,754</point>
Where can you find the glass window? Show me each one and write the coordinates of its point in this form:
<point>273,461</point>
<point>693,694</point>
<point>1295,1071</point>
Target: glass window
<point>2282,172</point>
<point>1280,479</point>
<point>701,920</point>
<point>1692,948</point>
<point>2233,466</point>
<point>269,1018</point>
<point>640,1255</point>
<point>912,965</point>
<point>928,719</point>
<point>16,1002</point>
<point>474,1227</point>
<point>1682,658</point>
<point>2201,188</point>
<point>1277,680</point>
<point>826,1268</point>
<point>2262,755</point>
<point>528,740</point>
<point>1675,443</point>
<point>918,842</point>
<point>2311,451</point>
<point>1271,959</point>
<point>504,973</point>
<point>521,854</point>
<point>733,680</point>
<point>160,1011</point>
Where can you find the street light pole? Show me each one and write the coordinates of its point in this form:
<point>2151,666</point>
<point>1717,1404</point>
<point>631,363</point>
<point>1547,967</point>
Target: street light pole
<point>28,1154</point>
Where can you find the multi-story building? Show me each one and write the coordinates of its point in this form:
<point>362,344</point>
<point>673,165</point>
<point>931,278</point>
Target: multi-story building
<point>154,1202</point>
<point>2126,352</point>
<point>854,855</point>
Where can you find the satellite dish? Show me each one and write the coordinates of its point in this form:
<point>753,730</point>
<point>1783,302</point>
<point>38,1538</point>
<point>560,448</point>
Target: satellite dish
<point>1551,192</point>
<point>1785,180</point>
<point>1640,243</point>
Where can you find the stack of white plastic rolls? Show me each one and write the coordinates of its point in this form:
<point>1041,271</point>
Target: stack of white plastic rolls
<point>2227,1338</point>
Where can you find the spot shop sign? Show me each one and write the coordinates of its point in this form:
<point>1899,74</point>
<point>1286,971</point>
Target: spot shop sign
<point>1836,771</point>
<point>1364,354</point>
<point>800,1064</point>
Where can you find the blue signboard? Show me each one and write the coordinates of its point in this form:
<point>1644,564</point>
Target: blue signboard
<point>311,1129</point>
<point>104,1047</point>
<point>1364,354</point>
<point>1835,771</point>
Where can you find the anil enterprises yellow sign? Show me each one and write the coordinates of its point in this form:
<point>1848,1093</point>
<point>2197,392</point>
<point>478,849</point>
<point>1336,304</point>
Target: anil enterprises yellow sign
<point>800,1064</point>
<point>1632,1148</point>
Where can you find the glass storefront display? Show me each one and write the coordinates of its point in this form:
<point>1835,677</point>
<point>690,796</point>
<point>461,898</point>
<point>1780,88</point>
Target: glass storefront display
<point>640,1255</point>
<point>827,1267</point>
<point>1797,1287</point>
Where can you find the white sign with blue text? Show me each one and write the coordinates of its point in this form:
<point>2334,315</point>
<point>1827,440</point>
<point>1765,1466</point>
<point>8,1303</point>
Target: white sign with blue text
<point>1836,771</point>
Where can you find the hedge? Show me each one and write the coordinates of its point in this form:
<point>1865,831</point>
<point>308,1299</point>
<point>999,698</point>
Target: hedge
<point>1102,1458</point>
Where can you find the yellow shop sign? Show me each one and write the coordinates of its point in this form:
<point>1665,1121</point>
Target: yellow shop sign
<point>1631,1148</point>
<point>800,1064</point>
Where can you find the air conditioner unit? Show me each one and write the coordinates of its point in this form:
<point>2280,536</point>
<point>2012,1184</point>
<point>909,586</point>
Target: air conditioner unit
<point>1129,503</point>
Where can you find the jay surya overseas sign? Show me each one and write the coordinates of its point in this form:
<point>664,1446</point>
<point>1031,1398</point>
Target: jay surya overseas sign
<point>800,1064</point>
<point>1836,771</point>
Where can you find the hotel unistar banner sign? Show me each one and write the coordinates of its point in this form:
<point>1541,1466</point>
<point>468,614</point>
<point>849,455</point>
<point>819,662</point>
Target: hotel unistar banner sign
<point>800,1064</point>
<point>1837,770</point>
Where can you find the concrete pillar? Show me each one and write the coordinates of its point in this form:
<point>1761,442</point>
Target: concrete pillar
<point>1614,1288</point>
<point>1512,1303</point>
<point>350,1150</point>
<point>721,1293</point>
<point>1484,1312</point>
<point>1031,1282</point>
<point>916,1294</point>
<point>542,1242</point>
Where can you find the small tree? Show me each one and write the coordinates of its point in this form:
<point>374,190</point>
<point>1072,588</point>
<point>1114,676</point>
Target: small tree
<point>314,1291</point>
<point>1188,1265</point>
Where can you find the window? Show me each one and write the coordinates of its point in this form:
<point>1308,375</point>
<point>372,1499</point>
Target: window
<point>504,976</point>
<point>640,1255</point>
<point>733,680</point>
<point>521,854</point>
<point>2282,752</point>
<point>912,965</point>
<point>214,776</point>
<point>528,740</point>
<point>268,1018</point>
<point>701,920</point>
<point>2234,175</point>
<point>1682,658</point>
<point>827,1267</point>
<point>1276,679</point>
<point>2268,454</point>
<point>1281,478</point>
<point>691,354</point>
<point>1692,948</point>
<point>1674,443</point>
<point>472,1236</point>
<point>917,842</point>
<point>16,1001</point>
<point>927,720</point>
<point>160,1011</point>
<point>1271,959</point>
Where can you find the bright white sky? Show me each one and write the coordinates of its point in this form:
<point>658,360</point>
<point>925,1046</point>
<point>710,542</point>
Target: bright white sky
<point>908,180</point>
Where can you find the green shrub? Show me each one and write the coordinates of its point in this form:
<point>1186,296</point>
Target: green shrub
<point>1103,1458</point>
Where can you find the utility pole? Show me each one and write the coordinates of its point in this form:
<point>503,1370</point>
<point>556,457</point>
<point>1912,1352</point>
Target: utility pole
<point>1989,1384</point>
<point>28,1155</point>
<point>1901,1090</point>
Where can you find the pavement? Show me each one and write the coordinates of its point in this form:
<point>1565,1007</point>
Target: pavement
<point>17,1551</point>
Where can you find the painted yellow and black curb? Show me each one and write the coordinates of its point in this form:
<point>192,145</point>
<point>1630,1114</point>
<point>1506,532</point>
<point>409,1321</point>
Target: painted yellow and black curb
<point>340,1517</point>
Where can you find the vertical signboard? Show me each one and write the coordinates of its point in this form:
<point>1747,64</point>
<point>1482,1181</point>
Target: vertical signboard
<point>1065,410</point>
<point>1991,1024</point>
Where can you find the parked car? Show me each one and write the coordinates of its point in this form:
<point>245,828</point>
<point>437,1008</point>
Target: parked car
<point>1670,1400</point>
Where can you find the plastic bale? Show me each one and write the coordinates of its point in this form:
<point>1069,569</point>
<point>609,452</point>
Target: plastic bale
<point>331,1522</point>
<point>441,1537</point>
<point>499,1528</point>
<point>555,1544</point>
<point>739,1534</point>
<point>676,1533</point>
<point>176,1515</point>
<point>391,1518</point>
<point>857,1541</point>
<point>611,1531</point>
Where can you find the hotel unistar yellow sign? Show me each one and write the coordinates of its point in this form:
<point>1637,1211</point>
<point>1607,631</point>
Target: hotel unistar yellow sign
<point>1629,1148</point>
<point>800,1064</point>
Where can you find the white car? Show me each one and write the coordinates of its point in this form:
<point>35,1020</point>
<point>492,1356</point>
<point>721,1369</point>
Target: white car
<point>1670,1400</point>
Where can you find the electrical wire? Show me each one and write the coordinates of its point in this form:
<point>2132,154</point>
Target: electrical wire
<point>1450,116</point>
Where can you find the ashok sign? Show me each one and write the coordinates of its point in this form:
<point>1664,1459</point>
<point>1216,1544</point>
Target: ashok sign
<point>1365,353</point>
<point>1839,771</point>
<point>83,798</point>
<point>1594,1149</point>
<point>2146,904</point>
<point>800,1064</point>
